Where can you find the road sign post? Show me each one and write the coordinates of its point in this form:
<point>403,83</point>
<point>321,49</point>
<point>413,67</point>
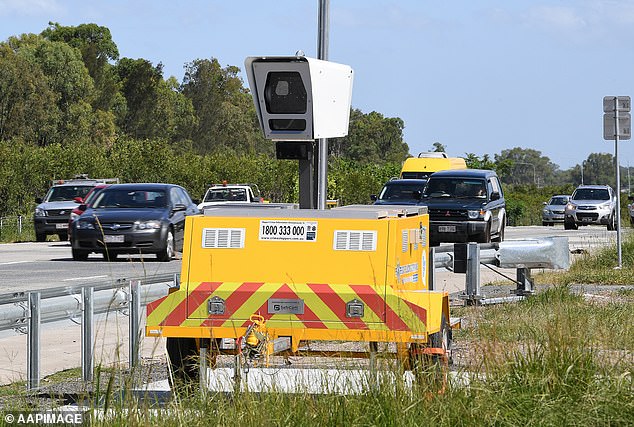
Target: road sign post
<point>617,125</point>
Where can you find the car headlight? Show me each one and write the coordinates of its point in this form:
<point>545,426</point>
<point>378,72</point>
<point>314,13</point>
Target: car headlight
<point>546,211</point>
<point>569,206</point>
<point>148,225</point>
<point>479,214</point>
<point>40,212</point>
<point>604,205</point>
<point>85,225</point>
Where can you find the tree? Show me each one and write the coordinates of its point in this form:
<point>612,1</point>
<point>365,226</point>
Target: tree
<point>225,111</point>
<point>600,169</point>
<point>372,138</point>
<point>27,103</point>
<point>97,50</point>
<point>526,166</point>
<point>438,147</point>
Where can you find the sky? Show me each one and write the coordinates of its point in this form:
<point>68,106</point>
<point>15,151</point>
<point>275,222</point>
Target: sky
<point>476,76</point>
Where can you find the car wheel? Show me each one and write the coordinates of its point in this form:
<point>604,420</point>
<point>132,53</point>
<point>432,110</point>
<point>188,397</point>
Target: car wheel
<point>500,236</point>
<point>79,255</point>
<point>568,225</point>
<point>486,236</point>
<point>110,256</point>
<point>168,252</point>
<point>40,237</point>
<point>544,224</point>
<point>62,237</point>
<point>610,225</point>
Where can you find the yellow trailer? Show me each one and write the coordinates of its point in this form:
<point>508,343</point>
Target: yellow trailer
<point>353,273</point>
<point>427,163</point>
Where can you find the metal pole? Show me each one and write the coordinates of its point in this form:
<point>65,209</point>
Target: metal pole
<point>618,183</point>
<point>33,342</point>
<point>582,171</point>
<point>473,273</point>
<point>134,311</point>
<point>431,278</point>
<point>87,334</point>
<point>322,143</point>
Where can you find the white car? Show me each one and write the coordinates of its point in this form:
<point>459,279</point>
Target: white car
<point>222,194</point>
<point>591,204</point>
<point>630,209</point>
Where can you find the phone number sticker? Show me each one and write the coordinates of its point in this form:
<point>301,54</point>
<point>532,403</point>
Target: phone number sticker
<point>298,231</point>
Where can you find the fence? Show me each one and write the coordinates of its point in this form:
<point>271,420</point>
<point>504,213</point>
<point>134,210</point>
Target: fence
<point>16,228</point>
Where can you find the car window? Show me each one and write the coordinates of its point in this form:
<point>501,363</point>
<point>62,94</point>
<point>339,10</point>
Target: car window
<point>226,195</point>
<point>591,194</point>
<point>138,199</point>
<point>456,188</point>
<point>67,192</point>
<point>184,197</point>
<point>558,201</point>
<point>401,191</point>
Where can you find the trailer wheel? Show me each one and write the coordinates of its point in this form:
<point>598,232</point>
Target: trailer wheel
<point>430,370</point>
<point>183,356</point>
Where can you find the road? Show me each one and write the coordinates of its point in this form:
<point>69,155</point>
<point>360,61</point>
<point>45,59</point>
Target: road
<point>35,266</point>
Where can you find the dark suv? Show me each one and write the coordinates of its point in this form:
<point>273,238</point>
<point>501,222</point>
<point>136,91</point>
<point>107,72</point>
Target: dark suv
<point>465,206</point>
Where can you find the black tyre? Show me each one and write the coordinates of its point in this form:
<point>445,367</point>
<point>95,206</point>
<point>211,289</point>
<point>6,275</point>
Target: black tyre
<point>79,255</point>
<point>612,222</point>
<point>110,256</point>
<point>486,236</point>
<point>568,225</point>
<point>168,251</point>
<point>62,237</point>
<point>545,224</point>
<point>183,356</point>
<point>500,236</point>
<point>40,237</point>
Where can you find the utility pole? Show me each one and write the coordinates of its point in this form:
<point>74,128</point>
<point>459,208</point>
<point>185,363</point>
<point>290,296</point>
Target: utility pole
<point>322,143</point>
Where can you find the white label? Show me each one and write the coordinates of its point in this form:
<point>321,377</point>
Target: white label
<point>299,231</point>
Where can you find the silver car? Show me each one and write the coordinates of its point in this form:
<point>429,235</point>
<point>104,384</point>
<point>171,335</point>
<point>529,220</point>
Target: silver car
<point>591,204</point>
<point>553,212</point>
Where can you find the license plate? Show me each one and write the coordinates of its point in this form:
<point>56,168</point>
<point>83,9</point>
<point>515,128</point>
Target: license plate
<point>62,226</point>
<point>446,228</point>
<point>113,238</point>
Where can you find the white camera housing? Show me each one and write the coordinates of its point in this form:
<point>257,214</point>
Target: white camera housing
<point>298,98</point>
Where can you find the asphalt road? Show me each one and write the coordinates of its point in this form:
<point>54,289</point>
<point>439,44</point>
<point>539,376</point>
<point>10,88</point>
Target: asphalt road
<point>33,266</point>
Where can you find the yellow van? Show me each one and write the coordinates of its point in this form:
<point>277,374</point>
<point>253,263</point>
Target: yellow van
<point>427,163</point>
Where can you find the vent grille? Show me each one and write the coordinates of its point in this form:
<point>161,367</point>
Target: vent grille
<point>354,240</point>
<point>223,238</point>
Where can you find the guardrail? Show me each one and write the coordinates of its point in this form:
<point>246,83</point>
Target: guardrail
<point>26,311</point>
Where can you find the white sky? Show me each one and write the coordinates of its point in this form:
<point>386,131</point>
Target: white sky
<point>476,76</point>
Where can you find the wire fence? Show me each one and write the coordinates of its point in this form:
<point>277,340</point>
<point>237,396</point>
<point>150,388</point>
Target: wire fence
<point>16,229</point>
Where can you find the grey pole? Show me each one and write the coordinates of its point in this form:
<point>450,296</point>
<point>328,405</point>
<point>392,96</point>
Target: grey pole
<point>135,310</point>
<point>322,143</point>
<point>33,342</point>
<point>87,334</point>
<point>618,183</point>
<point>473,273</point>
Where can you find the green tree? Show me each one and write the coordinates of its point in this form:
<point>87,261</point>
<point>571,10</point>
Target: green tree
<point>226,116</point>
<point>372,138</point>
<point>27,104</point>
<point>98,50</point>
<point>599,168</point>
<point>526,166</point>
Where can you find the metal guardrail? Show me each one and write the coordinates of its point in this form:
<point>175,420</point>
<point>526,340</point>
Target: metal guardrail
<point>26,311</point>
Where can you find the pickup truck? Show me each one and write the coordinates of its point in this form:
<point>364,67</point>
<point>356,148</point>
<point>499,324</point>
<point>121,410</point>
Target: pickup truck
<point>223,194</point>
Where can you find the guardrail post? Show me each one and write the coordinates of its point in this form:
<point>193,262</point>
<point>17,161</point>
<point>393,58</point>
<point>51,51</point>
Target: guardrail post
<point>134,311</point>
<point>87,334</point>
<point>525,283</point>
<point>472,282</point>
<point>33,342</point>
<point>19,224</point>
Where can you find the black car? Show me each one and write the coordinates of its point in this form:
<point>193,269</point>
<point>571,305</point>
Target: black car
<point>133,219</point>
<point>400,192</point>
<point>465,206</point>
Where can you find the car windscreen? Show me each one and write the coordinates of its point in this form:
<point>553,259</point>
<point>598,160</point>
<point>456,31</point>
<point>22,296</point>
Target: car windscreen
<point>558,201</point>
<point>67,192</point>
<point>591,194</point>
<point>136,199</point>
<point>401,191</point>
<point>226,195</point>
<point>455,188</point>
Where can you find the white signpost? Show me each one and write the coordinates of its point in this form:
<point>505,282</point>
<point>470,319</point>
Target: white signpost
<point>617,125</point>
